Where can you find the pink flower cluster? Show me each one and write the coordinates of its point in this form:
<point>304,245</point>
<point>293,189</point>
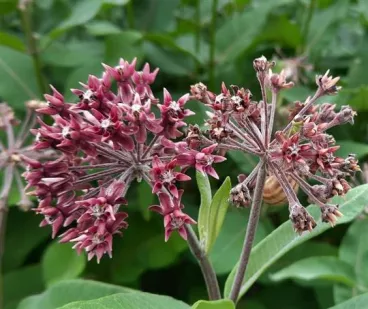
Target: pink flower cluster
<point>302,150</point>
<point>106,141</point>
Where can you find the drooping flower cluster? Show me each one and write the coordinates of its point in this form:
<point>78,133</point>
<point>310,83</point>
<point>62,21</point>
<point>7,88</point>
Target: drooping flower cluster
<point>300,151</point>
<point>106,141</point>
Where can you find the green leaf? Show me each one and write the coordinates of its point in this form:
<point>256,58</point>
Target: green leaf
<point>204,188</point>
<point>216,304</point>
<point>21,283</point>
<point>327,268</point>
<point>354,251</point>
<point>130,301</point>
<point>218,209</point>
<point>358,302</point>
<point>323,19</point>
<point>347,147</point>
<point>101,28</point>
<point>126,44</point>
<point>61,262</point>
<point>7,6</point>
<point>82,12</point>
<point>65,292</point>
<point>156,15</point>
<point>238,33</point>
<point>11,41</point>
<point>284,238</point>
<point>226,250</point>
<point>15,71</point>
<point>116,2</point>
<point>73,54</point>
<point>15,254</point>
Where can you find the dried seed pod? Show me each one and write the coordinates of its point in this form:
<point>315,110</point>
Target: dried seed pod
<point>273,194</point>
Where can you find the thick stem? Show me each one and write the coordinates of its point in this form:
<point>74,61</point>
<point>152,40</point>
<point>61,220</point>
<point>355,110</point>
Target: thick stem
<point>208,272</point>
<point>251,231</point>
<point>212,44</point>
<point>130,14</point>
<point>32,46</point>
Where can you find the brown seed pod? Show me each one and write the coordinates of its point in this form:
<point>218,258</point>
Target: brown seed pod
<point>273,194</point>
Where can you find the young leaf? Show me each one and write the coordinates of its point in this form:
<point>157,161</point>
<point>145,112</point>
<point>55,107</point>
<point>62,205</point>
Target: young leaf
<point>358,302</point>
<point>327,268</point>
<point>216,304</point>
<point>218,208</point>
<point>284,238</point>
<point>204,188</point>
<point>61,262</point>
<point>135,300</point>
<point>65,292</point>
<point>354,251</point>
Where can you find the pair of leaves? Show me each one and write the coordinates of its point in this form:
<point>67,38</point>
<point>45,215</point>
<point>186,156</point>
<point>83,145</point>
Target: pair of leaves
<point>283,239</point>
<point>212,211</point>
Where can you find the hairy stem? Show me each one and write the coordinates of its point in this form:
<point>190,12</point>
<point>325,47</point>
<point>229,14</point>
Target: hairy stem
<point>208,272</point>
<point>250,233</point>
<point>272,114</point>
<point>32,46</point>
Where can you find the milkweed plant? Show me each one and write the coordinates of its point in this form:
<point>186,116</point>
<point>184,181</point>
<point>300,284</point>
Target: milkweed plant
<point>83,162</point>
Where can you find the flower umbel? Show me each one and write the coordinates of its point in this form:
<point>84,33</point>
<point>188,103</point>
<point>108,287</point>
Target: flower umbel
<point>302,150</point>
<point>106,142</point>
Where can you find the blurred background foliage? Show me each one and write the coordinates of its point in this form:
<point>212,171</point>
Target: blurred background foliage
<point>60,42</point>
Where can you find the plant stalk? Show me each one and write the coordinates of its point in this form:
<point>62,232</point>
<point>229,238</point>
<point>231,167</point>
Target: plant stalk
<point>26,21</point>
<point>250,233</point>
<point>208,272</point>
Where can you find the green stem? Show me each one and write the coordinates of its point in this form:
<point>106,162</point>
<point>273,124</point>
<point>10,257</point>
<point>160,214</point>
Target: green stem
<point>212,44</point>
<point>26,20</point>
<point>250,233</point>
<point>130,14</point>
<point>208,272</point>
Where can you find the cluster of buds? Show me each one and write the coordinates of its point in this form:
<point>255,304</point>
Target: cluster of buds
<point>302,150</point>
<point>107,141</point>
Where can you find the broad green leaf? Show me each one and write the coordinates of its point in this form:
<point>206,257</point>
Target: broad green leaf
<point>65,292</point>
<point>126,44</point>
<point>215,304</point>
<point>156,15</point>
<point>129,301</point>
<point>61,262</point>
<point>11,41</point>
<point>284,238</point>
<point>7,6</point>
<point>101,28</point>
<point>226,250</point>
<point>15,71</point>
<point>347,147</point>
<point>354,251</point>
<point>73,54</point>
<point>204,188</point>
<point>322,20</point>
<point>238,33</point>
<point>21,283</point>
<point>82,12</point>
<point>169,61</point>
<point>30,235</point>
<point>218,209</point>
<point>116,2</point>
<point>358,302</point>
<point>326,268</point>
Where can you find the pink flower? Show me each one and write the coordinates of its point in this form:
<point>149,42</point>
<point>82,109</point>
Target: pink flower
<point>174,218</point>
